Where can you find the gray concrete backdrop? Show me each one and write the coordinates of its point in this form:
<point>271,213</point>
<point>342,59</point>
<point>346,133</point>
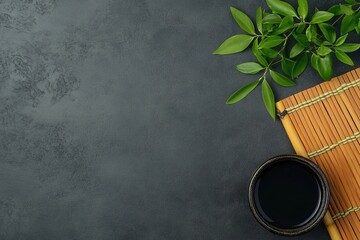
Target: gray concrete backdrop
<point>113,123</point>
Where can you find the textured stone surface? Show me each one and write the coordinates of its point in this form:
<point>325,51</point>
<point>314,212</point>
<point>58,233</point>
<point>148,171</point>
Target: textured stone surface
<point>113,123</point>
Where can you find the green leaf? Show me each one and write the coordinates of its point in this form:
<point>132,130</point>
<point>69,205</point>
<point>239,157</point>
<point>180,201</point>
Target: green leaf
<point>348,47</point>
<point>325,67</point>
<point>271,19</point>
<point>321,16</point>
<point>346,10</point>
<point>328,31</point>
<point>309,33</point>
<point>286,24</point>
<point>300,65</point>
<point>314,33</point>
<point>267,28</point>
<point>357,29</point>
<point>303,8</point>
<point>341,40</point>
<point>343,57</point>
<point>282,8</point>
<point>350,1</point>
<point>340,9</point>
<point>242,93</point>
<point>314,61</point>
<point>270,42</point>
<point>268,52</point>
<point>302,39</point>
<point>234,44</point>
<point>268,98</point>
<point>301,27</point>
<point>296,50</point>
<point>259,19</point>
<point>348,24</point>
<point>323,51</point>
<point>258,55</point>
<point>317,41</point>
<point>249,67</point>
<point>336,10</point>
<point>287,65</point>
<point>281,79</point>
<point>243,20</point>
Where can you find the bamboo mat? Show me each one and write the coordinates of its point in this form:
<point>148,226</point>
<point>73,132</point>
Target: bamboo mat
<point>323,124</point>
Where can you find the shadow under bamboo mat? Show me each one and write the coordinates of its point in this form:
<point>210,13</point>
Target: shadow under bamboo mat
<point>323,124</point>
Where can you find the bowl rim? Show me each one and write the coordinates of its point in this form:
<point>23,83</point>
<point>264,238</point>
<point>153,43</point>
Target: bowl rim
<point>324,201</point>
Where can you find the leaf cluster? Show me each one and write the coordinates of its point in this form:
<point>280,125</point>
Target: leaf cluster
<point>285,40</point>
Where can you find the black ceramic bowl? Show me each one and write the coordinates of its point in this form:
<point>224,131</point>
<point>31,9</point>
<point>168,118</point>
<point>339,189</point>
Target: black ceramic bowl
<point>288,195</point>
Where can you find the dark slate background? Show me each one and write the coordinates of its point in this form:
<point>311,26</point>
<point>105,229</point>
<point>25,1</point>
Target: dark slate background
<point>113,123</point>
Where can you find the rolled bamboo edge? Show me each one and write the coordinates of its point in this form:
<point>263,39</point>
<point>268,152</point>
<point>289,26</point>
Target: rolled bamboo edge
<point>331,227</point>
<point>299,149</point>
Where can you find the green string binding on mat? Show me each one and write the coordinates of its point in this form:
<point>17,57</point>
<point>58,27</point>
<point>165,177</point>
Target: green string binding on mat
<point>344,214</point>
<point>323,96</point>
<point>328,148</point>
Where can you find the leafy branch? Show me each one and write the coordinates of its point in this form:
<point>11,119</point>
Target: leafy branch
<point>292,39</point>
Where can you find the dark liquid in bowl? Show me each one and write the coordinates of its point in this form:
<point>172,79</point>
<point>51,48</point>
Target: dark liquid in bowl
<point>287,195</point>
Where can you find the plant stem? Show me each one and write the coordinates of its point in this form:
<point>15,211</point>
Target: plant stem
<point>342,15</point>
<point>282,49</point>
<point>278,61</point>
<point>338,19</point>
